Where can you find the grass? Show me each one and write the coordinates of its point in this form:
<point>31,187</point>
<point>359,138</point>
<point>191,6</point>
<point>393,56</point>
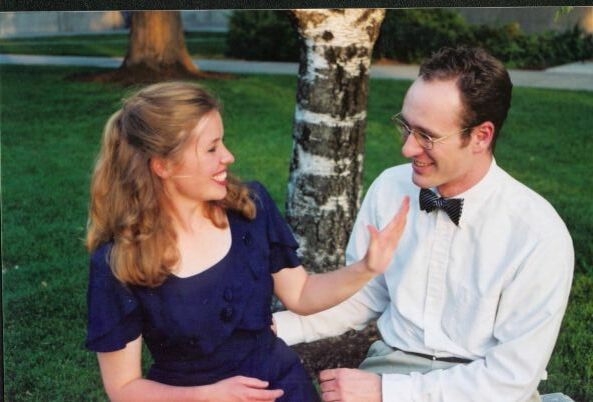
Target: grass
<point>209,45</point>
<point>51,130</point>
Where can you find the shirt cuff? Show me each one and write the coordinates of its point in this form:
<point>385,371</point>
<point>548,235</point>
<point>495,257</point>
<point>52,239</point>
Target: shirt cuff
<point>396,387</point>
<point>289,327</point>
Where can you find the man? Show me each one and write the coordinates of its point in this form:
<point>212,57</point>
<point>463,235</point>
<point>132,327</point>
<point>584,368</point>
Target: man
<point>471,305</point>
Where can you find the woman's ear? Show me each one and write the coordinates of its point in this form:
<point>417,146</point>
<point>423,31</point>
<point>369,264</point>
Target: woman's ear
<point>159,167</point>
<point>483,135</point>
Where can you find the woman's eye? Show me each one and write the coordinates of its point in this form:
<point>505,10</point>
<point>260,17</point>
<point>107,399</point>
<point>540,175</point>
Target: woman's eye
<point>211,150</point>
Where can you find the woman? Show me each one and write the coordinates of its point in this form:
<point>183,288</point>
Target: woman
<point>186,257</point>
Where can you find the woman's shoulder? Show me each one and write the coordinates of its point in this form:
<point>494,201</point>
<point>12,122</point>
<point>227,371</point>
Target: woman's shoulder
<point>259,194</point>
<point>256,188</point>
<point>264,207</point>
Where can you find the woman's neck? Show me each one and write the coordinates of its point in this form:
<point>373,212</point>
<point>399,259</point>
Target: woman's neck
<point>188,217</point>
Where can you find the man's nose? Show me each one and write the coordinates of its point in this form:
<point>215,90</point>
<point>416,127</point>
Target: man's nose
<point>411,147</point>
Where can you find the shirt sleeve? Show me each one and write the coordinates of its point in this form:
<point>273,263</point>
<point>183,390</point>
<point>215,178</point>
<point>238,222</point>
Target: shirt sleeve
<point>283,246</point>
<point>114,314</point>
<point>354,313</point>
<point>528,320</point>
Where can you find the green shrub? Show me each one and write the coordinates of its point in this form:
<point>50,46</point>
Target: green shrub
<point>412,35</point>
<point>507,42</point>
<point>541,50</point>
<point>571,44</point>
<point>262,35</point>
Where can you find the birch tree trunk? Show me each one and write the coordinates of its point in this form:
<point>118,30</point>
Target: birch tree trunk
<point>325,183</point>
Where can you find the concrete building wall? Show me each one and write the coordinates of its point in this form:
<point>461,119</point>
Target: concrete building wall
<point>12,24</point>
<point>206,20</point>
<point>58,22</point>
<point>23,24</point>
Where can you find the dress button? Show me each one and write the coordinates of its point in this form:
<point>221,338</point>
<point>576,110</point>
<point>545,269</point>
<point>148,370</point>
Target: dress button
<point>247,239</point>
<point>228,294</point>
<point>226,314</point>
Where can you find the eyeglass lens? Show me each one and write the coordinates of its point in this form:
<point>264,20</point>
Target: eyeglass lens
<point>405,131</point>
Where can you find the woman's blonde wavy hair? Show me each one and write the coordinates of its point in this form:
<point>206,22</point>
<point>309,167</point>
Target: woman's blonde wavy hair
<point>127,198</point>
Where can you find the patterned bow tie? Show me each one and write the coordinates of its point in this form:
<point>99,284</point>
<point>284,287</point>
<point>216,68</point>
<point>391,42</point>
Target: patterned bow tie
<point>429,201</point>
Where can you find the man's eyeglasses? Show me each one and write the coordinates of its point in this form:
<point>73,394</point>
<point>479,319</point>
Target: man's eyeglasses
<point>424,140</point>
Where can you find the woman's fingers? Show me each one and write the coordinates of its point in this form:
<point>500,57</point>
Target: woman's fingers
<point>243,388</point>
<point>399,219</point>
<point>383,243</point>
<point>252,382</point>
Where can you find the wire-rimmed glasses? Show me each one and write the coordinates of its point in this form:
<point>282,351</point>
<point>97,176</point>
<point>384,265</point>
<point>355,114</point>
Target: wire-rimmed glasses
<point>426,141</point>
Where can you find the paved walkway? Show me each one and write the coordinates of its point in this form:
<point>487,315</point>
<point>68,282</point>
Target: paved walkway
<point>577,76</point>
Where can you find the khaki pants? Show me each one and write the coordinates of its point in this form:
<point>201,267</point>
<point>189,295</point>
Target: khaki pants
<point>382,359</point>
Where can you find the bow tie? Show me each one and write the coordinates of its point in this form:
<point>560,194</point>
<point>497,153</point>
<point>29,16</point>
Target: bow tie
<point>429,201</point>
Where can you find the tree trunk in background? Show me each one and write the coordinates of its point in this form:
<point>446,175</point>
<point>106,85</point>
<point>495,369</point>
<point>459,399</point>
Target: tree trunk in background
<point>156,52</point>
<point>325,184</point>
<point>157,44</point>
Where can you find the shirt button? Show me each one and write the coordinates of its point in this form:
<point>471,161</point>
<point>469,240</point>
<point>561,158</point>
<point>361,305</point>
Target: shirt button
<point>226,314</point>
<point>247,239</point>
<point>228,294</point>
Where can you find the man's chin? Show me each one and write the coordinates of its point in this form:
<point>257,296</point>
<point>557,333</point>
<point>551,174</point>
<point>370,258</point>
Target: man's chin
<point>422,181</point>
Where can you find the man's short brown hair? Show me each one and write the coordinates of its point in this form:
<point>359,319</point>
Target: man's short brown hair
<point>483,82</point>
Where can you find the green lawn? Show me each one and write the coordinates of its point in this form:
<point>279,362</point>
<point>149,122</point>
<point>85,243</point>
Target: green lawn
<point>209,45</point>
<point>51,130</point>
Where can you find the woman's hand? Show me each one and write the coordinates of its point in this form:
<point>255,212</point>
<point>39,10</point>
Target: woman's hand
<point>383,243</point>
<point>242,389</point>
<point>308,294</point>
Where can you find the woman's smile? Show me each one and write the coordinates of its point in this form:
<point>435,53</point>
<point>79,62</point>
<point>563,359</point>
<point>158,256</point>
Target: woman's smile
<point>220,178</point>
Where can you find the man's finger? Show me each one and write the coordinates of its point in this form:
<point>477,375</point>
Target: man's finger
<point>327,375</point>
<point>331,396</point>
<point>329,385</point>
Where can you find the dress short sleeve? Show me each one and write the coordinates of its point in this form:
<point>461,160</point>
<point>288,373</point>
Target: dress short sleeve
<point>114,314</point>
<point>283,246</point>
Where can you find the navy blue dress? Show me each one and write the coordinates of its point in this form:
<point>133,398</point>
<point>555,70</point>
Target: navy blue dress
<point>212,325</point>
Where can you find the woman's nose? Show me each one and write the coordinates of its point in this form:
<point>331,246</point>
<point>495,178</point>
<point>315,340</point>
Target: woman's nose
<point>228,157</point>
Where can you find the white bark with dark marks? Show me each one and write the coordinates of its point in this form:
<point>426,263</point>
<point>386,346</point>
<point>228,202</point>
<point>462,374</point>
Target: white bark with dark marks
<point>325,184</point>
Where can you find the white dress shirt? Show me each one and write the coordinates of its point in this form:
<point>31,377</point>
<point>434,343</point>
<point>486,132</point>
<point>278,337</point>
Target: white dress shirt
<point>493,289</point>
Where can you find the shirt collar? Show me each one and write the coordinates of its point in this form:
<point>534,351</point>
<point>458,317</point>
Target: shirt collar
<point>475,196</point>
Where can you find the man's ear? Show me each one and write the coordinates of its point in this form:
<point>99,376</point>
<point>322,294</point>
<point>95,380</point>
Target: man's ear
<point>159,167</point>
<point>483,135</point>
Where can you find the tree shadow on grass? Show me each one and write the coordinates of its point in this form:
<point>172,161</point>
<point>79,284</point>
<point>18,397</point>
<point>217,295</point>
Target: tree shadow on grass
<point>347,350</point>
<point>141,75</point>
